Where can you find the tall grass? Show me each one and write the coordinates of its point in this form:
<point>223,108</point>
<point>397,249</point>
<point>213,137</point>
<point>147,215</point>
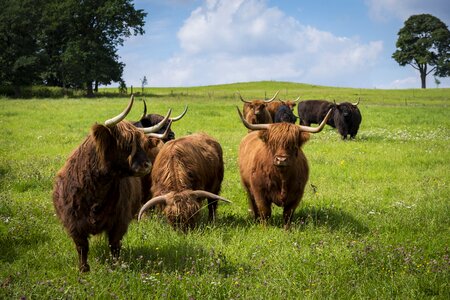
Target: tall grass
<point>373,223</point>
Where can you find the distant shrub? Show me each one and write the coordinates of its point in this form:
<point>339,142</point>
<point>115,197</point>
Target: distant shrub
<point>39,92</point>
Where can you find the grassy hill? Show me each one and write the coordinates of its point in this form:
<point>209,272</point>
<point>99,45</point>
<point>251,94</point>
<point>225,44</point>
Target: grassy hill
<point>373,223</point>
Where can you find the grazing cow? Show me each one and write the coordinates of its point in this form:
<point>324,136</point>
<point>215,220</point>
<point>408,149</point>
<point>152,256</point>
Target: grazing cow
<point>273,166</point>
<point>346,119</point>
<point>148,120</point>
<point>273,106</point>
<point>255,111</point>
<point>285,114</point>
<point>186,171</point>
<point>97,189</point>
<point>314,111</point>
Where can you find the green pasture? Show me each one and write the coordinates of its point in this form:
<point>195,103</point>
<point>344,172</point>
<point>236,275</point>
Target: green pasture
<point>374,222</point>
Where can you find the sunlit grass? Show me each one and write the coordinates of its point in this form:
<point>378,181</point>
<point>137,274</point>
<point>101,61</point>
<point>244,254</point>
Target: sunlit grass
<point>373,223</point>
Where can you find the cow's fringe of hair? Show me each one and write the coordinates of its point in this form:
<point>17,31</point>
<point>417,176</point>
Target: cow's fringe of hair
<point>285,135</point>
<point>124,135</point>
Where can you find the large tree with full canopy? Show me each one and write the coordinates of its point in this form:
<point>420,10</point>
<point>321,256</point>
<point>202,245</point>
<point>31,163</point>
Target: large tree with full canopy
<point>424,44</point>
<point>67,43</point>
<point>82,37</point>
<point>21,58</point>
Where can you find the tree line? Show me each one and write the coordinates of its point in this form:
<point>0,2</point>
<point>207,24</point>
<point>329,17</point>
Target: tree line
<point>65,43</point>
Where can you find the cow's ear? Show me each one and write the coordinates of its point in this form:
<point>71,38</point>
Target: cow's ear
<point>103,139</point>
<point>303,138</point>
<point>264,135</point>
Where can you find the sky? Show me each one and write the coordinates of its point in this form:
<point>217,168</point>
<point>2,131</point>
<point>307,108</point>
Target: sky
<point>345,43</point>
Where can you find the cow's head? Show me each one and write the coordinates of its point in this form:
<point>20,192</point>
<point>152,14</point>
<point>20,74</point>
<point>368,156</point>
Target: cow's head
<point>257,107</point>
<point>284,139</point>
<point>285,114</point>
<point>148,120</point>
<point>121,147</point>
<point>181,209</point>
<point>345,108</point>
<point>292,103</point>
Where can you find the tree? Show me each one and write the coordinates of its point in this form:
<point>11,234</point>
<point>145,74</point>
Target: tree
<point>423,43</point>
<point>143,83</point>
<point>82,38</point>
<point>20,55</point>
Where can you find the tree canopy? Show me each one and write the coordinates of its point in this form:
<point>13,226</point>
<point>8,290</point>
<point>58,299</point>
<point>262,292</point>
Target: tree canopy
<point>424,44</point>
<point>67,43</point>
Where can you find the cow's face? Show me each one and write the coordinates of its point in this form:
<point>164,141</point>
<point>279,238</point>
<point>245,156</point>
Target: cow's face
<point>122,148</point>
<point>182,210</point>
<point>344,109</point>
<point>150,120</point>
<point>257,107</point>
<point>291,104</point>
<point>284,142</point>
<point>285,114</point>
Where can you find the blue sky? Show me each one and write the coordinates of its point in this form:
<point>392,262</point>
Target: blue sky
<point>345,43</point>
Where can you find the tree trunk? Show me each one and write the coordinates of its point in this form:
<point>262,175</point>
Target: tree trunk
<point>96,86</point>
<point>89,90</point>
<point>423,75</point>
<point>423,79</point>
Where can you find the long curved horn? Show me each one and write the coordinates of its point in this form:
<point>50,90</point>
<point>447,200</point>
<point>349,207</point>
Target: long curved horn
<point>152,202</point>
<point>356,104</point>
<point>161,136</point>
<point>158,126</point>
<point>180,116</point>
<point>113,121</point>
<point>206,194</point>
<point>145,111</point>
<point>252,126</point>
<point>273,98</point>
<point>298,99</point>
<point>319,128</point>
<point>242,99</point>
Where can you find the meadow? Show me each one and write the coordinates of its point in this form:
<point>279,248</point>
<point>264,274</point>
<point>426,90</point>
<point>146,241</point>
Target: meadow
<point>374,222</point>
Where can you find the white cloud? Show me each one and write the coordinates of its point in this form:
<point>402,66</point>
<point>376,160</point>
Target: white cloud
<point>226,41</point>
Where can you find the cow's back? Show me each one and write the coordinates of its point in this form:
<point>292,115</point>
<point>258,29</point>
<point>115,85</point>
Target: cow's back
<point>313,111</point>
<point>191,162</point>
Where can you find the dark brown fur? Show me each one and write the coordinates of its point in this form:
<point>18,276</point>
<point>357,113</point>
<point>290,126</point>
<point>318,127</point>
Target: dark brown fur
<point>346,119</point>
<point>274,169</point>
<point>314,111</point>
<point>192,162</point>
<point>274,106</point>
<point>153,119</point>
<point>96,191</point>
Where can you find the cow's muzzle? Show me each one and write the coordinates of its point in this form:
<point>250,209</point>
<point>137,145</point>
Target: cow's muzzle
<point>280,161</point>
<point>142,169</point>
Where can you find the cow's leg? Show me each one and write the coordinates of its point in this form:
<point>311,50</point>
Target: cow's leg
<point>251,201</point>
<point>82,245</point>
<point>212,208</point>
<point>264,207</point>
<point>115,236</point>
<point>288,213</point>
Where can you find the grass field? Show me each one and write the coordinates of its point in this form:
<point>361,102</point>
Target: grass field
<point>374,222</point>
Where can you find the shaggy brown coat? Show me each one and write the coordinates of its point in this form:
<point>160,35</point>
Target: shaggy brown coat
<point>193,162</point>
<point>274,169</point>
<point>256,112</point>
<point>96,191</point>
